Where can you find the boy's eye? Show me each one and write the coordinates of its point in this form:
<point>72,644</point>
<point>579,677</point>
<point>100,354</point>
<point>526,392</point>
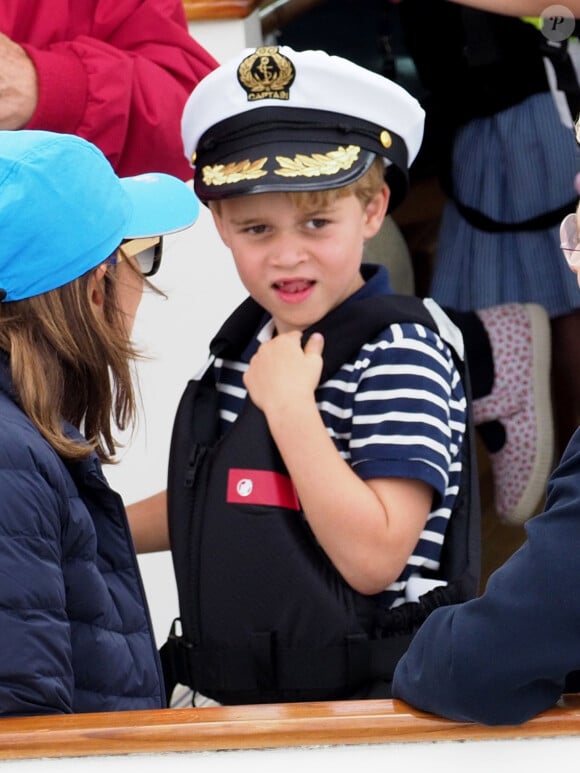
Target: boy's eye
<point>317,222</point>
<point>255,229</point>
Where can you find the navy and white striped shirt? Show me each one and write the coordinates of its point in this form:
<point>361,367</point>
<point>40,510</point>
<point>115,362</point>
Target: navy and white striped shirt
<point>398,409</point>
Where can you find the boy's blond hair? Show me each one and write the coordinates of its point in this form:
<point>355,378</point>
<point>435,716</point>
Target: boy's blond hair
<point>365,188</point>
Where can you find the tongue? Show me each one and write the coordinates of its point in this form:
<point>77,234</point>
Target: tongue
<point>297,286</point>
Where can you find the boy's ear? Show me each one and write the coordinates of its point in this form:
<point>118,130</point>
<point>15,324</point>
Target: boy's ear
<point>375,212</point>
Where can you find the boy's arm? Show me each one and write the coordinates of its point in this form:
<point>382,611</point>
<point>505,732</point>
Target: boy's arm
<point>509,7</point>
<point>506,7</point>
<point>367,528</point>
<point>148,523</point>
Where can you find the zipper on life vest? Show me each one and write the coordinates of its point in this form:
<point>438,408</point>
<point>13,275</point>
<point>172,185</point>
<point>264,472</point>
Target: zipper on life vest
<point>195,459</point>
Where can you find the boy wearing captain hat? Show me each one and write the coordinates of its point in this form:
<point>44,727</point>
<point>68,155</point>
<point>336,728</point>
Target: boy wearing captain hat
<point>275,119</point>
<point>298,156</point>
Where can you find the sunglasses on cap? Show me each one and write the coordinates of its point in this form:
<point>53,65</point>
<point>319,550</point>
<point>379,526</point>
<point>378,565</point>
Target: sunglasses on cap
<point>146,252</point>
<point>570,239</point>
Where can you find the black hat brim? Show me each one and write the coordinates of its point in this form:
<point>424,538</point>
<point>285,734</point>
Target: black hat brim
<point>282,149</point>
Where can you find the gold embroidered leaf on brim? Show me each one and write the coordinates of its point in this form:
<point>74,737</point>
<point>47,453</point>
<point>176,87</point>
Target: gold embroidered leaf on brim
<point>318,163</point>
<point>235,172</point>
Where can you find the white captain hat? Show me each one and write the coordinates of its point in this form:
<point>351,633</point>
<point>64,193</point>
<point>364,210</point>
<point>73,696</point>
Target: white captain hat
<point>275,119</point>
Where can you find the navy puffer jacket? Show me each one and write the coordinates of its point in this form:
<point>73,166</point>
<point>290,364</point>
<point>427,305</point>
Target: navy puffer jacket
<point>75,629</point>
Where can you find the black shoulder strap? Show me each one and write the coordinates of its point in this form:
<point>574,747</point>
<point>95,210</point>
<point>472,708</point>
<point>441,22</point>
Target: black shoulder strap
<point>343,339</point>
<point>238,329</point>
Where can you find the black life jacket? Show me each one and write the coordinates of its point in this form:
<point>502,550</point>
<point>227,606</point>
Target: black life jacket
<point>264,615</point>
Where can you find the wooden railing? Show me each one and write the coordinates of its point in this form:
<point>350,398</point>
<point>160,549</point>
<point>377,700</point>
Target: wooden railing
<point>202,10</point>
<point>259,727</point>
<point>274,14</point>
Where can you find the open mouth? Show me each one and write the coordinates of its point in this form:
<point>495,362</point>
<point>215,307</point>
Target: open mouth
<point>294,286</point>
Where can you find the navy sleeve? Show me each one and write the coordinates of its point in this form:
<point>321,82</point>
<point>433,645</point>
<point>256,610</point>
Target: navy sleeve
<point>503,658</point>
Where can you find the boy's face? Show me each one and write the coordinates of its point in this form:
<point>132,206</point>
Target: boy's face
<point>296,263</point>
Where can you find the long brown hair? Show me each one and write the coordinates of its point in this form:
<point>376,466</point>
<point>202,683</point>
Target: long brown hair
<point>70,362</point>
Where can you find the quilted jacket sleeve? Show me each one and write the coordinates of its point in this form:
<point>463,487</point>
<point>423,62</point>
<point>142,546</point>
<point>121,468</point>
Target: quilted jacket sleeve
<point>504,657</point>
<point>121,80</point>
<point>35,650</point>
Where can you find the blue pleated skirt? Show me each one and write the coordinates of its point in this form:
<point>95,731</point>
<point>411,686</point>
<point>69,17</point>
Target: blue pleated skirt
<point>511,167</point>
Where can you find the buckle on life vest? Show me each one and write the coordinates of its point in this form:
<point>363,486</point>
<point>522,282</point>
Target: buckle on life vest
<point>175,659</point>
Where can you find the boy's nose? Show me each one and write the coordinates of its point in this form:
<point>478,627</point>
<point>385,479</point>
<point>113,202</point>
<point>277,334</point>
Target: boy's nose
<point>288,249</point>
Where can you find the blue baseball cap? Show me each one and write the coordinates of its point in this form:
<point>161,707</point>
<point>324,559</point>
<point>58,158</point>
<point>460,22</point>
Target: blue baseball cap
<point>63,210</point>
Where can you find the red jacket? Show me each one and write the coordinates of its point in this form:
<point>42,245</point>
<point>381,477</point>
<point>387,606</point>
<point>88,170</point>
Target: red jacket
<point>116,72</point>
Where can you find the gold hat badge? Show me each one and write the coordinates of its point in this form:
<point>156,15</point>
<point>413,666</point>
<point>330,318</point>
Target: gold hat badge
<point>266,74</point>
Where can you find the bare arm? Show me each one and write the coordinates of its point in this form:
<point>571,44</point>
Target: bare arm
<point>513,7</point>
<point>18,85</point>
<point>148,522</point>
<point>125,68</point>
<point>367,528</point>
<point>516,7</point>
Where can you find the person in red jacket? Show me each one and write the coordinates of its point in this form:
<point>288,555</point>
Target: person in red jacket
<point>114,72</point>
